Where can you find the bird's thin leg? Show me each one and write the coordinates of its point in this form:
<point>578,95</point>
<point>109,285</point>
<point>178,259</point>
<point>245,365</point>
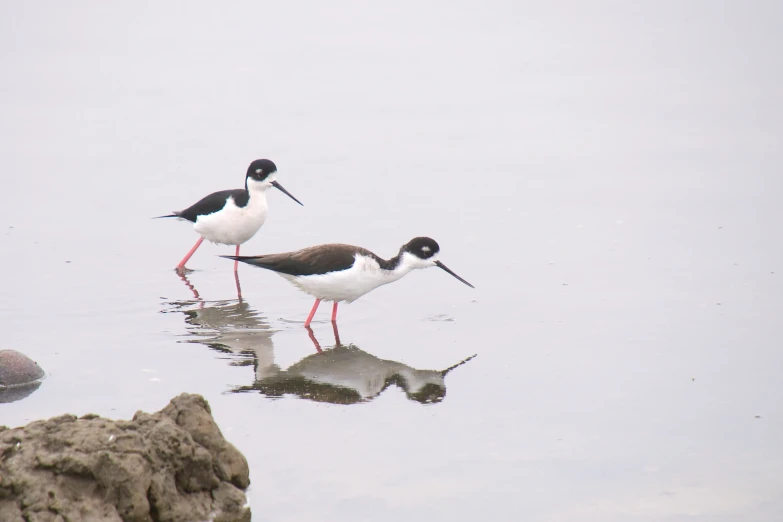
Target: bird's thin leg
<point>334,312</point>
<point>236,263</point>
<point>181,264</point>
<point>312,312</point>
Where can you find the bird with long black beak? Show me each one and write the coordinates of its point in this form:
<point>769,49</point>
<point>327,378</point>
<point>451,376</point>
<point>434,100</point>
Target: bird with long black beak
<point>337,272</point>
<point>232,217</point>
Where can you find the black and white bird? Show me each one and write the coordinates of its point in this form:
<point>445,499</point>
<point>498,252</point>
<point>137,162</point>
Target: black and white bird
<point>231,217</point>
<point>337,272</point>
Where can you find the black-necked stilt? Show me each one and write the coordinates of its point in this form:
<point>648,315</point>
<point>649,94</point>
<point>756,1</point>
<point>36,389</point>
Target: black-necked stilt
<point>231,217</point>
<point>337,272</point>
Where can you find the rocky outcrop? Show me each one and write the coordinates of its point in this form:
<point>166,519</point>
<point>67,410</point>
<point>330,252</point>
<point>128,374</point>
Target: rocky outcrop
<point>173,465</point>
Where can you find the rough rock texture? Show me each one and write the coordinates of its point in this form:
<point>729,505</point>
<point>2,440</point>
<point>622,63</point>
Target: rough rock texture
<point>173,465</point>
<point>19,376</point>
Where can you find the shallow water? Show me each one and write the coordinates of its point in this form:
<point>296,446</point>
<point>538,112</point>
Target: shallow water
<point>607,177</point>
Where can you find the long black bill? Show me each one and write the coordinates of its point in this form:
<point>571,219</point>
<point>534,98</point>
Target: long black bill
<point>279,187</point>
<point>447,370</point>
<point>444,267</point>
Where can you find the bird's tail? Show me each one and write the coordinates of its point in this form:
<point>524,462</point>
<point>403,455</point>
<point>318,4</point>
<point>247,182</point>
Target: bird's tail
<point>250,260</point>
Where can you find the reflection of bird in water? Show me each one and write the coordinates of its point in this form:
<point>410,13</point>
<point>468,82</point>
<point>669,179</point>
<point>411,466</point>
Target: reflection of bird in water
<point>340,375</point>
<point>347,375</point>
<point>229,326</point>
<point>183,276</point>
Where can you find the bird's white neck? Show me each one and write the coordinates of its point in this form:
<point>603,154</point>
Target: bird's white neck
<point>257,188</point>
<point>407,262</point>
<point>389,271</point>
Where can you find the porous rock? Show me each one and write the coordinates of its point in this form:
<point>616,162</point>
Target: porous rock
<point>172,466</point>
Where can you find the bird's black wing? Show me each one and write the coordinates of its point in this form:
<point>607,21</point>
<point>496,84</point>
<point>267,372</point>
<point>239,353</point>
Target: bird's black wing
<point>213,203</point>
<point>315,260</point>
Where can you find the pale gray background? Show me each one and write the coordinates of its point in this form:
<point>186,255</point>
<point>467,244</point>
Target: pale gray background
<point>606,173</point>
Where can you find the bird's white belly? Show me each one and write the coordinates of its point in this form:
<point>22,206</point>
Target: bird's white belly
<point>346,285</point>
<point>232,225</point>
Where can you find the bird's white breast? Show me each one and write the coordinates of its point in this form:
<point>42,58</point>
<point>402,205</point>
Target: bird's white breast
<point>346,285</point>
<point>233,225</point>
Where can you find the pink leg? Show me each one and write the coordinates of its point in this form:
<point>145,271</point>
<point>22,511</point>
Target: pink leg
<point>312,313</point>
<point>334,312</point>
<point>236,263</point>
<point>181,264</point>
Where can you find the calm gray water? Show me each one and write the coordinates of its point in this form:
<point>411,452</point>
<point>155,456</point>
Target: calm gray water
<point>607,174</point>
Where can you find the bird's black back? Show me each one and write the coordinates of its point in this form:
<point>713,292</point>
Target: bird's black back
<point>316,260</point>
<point>213,203</point>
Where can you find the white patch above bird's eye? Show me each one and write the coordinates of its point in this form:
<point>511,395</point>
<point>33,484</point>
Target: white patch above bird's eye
<point>425,249</point>
<point>259,171</point>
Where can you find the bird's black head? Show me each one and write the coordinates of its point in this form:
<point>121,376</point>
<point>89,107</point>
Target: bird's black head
<point>425,254</point>
<point>260,169</point>
<point>261,175</point>
<point>421,247</point>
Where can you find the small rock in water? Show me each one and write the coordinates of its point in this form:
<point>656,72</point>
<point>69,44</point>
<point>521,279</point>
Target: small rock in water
<point>17,369</point>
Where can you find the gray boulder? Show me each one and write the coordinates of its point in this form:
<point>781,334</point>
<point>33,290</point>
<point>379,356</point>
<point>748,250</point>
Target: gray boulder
<point>19,376</point>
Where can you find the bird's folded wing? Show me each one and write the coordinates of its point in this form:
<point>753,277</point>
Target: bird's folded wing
<point>213,203</point>
<point>315,260</point>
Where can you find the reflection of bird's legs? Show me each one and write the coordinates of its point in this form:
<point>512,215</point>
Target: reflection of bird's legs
<point>312,313</point>
<point>181,264</point>
<point>239,288</point>
<point>334,312</point>
<point>236,262</point>
<point>312,338</point>
<point>336,333</point>
<point>187,282</point>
